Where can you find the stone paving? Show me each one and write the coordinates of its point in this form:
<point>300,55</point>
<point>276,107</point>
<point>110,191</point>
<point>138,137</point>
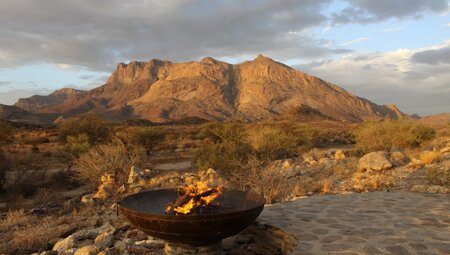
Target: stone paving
<point>366,223</point>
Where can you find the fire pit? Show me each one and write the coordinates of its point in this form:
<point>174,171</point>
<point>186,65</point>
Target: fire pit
<point>146,211</point>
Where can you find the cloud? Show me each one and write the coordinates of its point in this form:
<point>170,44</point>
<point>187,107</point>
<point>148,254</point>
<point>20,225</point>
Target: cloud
<point>367,11</point>
<point>357,40</point>
<point>391,77</point>
<point>99,34</point>
<point>433,56</point>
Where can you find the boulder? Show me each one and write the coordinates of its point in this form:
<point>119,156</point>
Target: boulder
<point>87,250</point>
<point>375,160</point>
<point>62,246</point>
<point>339,155</point>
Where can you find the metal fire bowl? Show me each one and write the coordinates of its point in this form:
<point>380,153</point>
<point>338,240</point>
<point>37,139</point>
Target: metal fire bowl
<point>145,210</point>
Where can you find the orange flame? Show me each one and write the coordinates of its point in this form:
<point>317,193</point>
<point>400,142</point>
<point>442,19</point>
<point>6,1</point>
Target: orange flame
<point>199,194</point>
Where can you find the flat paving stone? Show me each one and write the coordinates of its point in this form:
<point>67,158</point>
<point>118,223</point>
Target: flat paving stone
<point>366,223</point>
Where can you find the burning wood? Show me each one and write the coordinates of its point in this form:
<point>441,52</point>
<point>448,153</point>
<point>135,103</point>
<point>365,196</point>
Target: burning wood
<point>195,199</point>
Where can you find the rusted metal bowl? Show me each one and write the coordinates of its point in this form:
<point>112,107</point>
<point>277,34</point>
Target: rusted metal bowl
<point>145,210</point>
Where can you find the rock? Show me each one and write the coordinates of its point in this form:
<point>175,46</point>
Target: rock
<point>87,250</point>
<point>397,156</point>
<point>120,246</point>
<point>85,234</point>
<point>415,163</point>
<point>64,245</point>
<point>375,161</point>
<point>339,155</point>
<point>150,244</point>
<point>71,251</point>
<point>286,165</point>
<point>104,240</point>
<point>419,188</point>
<point>430,189</point>
<point>106,188</point>
<point>87,199</point>
<point>437,189</point>
<point>50,252</point>
<point>445,149</point>
<point>134,175</point>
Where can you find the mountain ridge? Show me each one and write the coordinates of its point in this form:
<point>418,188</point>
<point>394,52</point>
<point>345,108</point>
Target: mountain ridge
<point>210,89</point>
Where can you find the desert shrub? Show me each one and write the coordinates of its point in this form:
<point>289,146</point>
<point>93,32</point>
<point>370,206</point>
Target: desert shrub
<point>262,177</point>
<point>272,142</point>
<point>148,137</point>
<point>383,135</point>
<point>71,150</point>
<point>96,129</point>
<point>111,158</point>
<point>6,133</point>
<point>26,171</point>
<point>228,150</point>
<point>439,176</point>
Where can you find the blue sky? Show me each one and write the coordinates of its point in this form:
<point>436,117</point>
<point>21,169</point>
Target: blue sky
<point>386,51</point>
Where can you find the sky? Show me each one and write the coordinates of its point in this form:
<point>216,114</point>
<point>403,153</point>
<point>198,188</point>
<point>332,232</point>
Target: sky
<point>388,51</point>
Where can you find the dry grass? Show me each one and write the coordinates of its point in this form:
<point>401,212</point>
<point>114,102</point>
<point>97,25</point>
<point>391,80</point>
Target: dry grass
<point>113,158</point>
<point>428,157</point>
<point>266,179</point>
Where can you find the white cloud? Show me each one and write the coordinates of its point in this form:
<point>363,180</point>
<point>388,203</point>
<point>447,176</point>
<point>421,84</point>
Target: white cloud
<point>392,77</point>
<point>357,40</point>
<point>448,24</point>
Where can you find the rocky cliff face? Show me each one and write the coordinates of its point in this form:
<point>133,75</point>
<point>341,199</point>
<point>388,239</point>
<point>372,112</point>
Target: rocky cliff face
<point>212,90</point>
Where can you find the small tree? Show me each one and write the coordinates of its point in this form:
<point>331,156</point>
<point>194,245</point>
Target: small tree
<point>94,127</point>
<point>148,137</point>
<point>72,149</point>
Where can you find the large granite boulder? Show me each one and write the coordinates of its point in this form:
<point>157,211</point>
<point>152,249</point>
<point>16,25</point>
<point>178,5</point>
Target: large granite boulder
<point>374,161</point>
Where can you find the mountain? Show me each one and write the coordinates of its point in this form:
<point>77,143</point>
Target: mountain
<point>16,114</point>
<point>35,102</point>
<point>163,91</point>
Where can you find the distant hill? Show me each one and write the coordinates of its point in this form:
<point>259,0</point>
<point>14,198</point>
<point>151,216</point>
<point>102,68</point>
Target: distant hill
<point>436,119</point>
<point>163,91</point>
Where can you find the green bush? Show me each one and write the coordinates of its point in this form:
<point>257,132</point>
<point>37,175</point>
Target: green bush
<point>75,145</point>
<point>148,137</point>
<point>384,135</point>
<point>96,129</point>
<point>272,142</point>
<point>228,149</point>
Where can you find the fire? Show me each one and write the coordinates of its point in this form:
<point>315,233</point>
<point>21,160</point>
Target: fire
<point>198,198</point>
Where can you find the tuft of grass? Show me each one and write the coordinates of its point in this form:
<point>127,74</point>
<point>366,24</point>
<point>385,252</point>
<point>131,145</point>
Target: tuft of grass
<point>428,157</point>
